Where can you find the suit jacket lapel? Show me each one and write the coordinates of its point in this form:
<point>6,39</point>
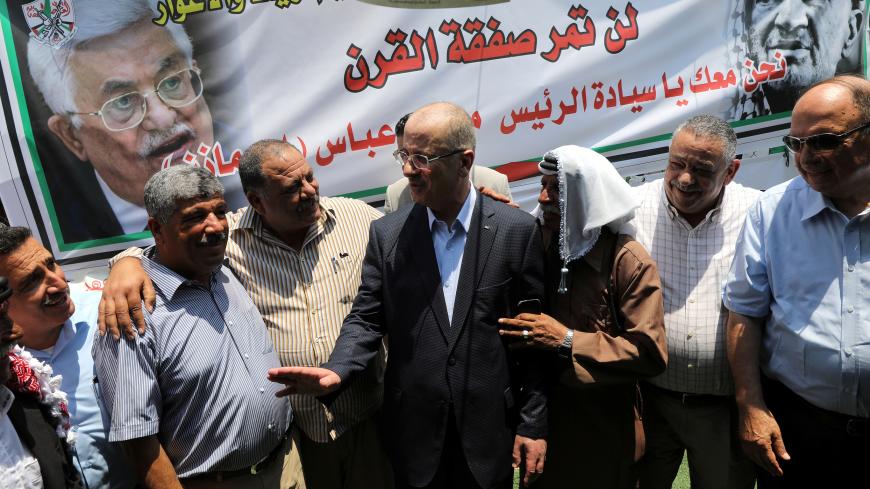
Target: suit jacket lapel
<point>478,243</point>
<point>423,253</point>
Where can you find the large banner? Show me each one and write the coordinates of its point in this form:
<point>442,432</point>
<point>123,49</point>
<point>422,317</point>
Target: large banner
<point>100,94</point>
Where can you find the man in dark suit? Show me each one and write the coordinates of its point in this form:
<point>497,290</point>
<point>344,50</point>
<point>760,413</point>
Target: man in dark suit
<point>435,280</point>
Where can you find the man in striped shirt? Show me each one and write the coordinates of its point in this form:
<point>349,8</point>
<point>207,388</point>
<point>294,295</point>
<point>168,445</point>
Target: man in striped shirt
<point>299,256</point>
<point>689,222</point>
<point>188,398</point>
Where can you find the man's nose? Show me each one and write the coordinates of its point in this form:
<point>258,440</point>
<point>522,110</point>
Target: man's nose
<point>544,197</point>
<point>792,14</point>
<point>308,189</point>
<point>214,224</point>
<point>409,170</point>
<point>159,115</point>
<point>686,178</point>
<point>56,280</point>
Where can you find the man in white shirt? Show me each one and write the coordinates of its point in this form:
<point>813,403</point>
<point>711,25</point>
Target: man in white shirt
<point>689,221</point>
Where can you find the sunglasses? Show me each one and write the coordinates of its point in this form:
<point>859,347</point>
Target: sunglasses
<point>820,142</point>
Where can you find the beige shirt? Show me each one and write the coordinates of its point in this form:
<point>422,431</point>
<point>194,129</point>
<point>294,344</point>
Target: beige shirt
<point>303,298</point>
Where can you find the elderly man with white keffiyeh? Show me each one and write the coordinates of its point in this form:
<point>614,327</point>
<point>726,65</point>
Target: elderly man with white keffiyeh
<point>605,325</point>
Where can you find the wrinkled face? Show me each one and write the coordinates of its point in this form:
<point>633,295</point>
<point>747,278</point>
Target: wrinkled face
<point>134,60</point>
<point>290,198</point>
<point>40,298</point>
<point>193,242</point>
<point>438,184</point>
<point>549,202</point>
<point>842,172</point>
<point>696,173</point>
<point>811,34</point>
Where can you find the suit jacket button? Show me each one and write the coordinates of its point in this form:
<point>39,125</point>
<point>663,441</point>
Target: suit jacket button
<point>451,361</point>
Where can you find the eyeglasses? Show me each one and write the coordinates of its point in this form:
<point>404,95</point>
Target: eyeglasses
<point>128,110</point>
<point>820,142</point>
<point>419,162</point>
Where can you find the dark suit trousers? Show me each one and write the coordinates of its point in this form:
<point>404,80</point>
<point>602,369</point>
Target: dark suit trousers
<point>453,471</point>
<point>826,448</point>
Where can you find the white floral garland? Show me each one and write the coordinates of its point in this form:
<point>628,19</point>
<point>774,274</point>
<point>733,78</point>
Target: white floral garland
<point>50,393</point>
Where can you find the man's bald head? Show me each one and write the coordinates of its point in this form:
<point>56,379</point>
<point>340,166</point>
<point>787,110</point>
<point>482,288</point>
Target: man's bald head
<point>446,122</point>
<point>838,166</point>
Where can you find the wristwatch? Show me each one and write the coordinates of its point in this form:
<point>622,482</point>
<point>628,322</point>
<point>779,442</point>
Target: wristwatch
<point>564,349</point>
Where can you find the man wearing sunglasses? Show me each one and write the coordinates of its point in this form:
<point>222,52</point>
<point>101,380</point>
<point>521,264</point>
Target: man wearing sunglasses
<point>125,95</point>
<point>798,327</point>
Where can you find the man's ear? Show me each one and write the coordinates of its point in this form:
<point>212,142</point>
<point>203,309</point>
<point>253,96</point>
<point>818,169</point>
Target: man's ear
<point>467,159</point>
<point>62,128</point>
<point>256,201</point>
<point>856,16</point>
<point>731,171</point>
<point>155,227</point>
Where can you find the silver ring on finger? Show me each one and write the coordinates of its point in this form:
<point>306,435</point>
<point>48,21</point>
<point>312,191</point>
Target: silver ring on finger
<point>526,334</point>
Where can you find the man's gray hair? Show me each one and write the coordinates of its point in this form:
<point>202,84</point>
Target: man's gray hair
<point>166,188</point>
<point>251,163</point>
<point>710,126</point>
<point>49,67</point>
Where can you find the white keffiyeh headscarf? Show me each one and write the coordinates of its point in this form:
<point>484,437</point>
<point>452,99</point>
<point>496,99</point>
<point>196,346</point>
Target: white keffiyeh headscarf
<point>592,195</point>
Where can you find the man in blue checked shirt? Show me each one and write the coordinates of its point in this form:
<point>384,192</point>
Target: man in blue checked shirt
<point>188,398</point>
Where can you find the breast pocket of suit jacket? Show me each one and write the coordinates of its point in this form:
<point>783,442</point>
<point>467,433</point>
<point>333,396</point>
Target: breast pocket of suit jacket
<point>492,298</point>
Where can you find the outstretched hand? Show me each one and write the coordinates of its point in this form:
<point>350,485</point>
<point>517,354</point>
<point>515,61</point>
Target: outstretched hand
<point>313,381</point>
<point>533,330</point>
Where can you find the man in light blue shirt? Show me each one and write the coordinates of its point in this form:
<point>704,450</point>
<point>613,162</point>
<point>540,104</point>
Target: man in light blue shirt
<point>449,244</point>
<point>799,305</point>
<point>58,323</point>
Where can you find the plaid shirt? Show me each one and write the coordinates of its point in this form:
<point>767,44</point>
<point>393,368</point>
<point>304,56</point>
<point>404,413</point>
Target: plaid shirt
<point>693,264</point>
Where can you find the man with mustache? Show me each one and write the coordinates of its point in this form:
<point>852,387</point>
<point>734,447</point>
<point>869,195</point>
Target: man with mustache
<point>188,399</point>
<point>125,95</point>
<point>299,256</point>
<point>689,221</point>
<point>33,454</point>
<point>798,326</point>
<point>57,327</point>
<point>604,329</point>
<point>818,39</point>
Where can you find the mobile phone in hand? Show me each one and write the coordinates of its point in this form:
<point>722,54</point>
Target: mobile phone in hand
<point>529,306</point>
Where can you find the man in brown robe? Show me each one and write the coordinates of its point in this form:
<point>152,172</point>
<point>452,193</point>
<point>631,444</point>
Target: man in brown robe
<point>597,359</point>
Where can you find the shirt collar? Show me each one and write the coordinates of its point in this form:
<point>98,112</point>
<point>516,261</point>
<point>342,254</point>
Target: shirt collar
<point>711,216</point>
<point>815,203</point>
<point>165,279</point>
<point>6,400</point>
<point>251,220</point>
<point>67,333</point>
<point>465,213</point>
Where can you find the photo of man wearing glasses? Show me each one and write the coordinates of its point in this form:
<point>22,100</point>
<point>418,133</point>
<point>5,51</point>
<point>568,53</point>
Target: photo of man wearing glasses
<point>125,95</point>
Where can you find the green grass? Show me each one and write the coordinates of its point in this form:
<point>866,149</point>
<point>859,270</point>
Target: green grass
<point>682,480</point>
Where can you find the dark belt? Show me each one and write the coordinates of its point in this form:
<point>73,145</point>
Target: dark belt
<point>687,397</point>
<point>220,476</point>
<point>853,426</point>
